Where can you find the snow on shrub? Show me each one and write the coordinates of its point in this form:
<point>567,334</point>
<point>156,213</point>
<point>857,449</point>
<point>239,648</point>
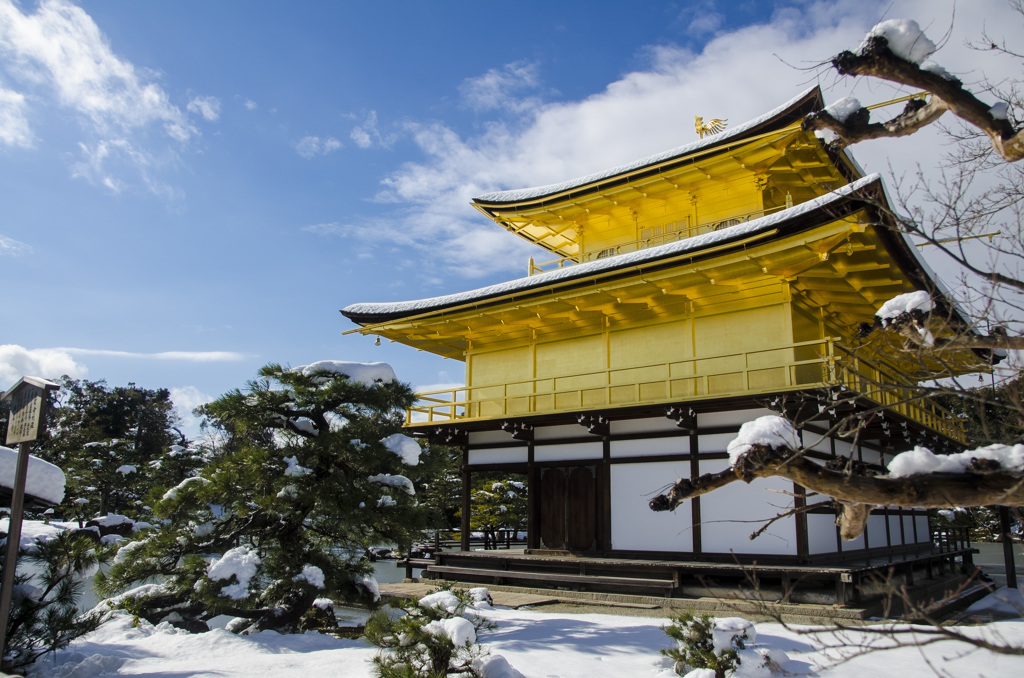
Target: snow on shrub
<point>394,481</point>
<point>405,447</point>
<point>242,562</point>
<point>312,575</point>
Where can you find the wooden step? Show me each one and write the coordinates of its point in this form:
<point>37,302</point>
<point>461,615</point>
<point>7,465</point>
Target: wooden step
<point>595,581</point>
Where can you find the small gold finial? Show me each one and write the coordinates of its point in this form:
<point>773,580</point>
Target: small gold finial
<point>712,126</point>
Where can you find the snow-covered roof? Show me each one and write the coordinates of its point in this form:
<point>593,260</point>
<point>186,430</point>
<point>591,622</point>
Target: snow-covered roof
<point>365,311</point>
<point>734,134</point>
<point>45,482</point>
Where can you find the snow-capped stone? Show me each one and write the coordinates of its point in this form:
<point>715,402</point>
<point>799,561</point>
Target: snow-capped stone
<point>496,666</point>
<point>370,584</point>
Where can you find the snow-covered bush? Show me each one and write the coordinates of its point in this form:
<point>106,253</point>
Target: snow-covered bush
<point>707,647</point>
<point>430,637</point>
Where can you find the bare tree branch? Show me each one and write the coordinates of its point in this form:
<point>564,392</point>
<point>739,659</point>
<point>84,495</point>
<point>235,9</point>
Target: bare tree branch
<point>875,59</point>
<point>855,492</point>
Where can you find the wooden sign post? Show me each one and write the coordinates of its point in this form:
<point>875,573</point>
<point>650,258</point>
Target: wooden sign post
<point>28,399</point>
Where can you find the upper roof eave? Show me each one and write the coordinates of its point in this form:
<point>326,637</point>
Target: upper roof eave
<point>778,118</point>
<point>866,191</point>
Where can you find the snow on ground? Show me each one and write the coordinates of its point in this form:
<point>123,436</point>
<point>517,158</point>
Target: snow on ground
<point>537,644</point>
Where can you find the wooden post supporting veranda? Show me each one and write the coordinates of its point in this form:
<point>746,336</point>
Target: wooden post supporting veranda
<point>1007,537</point>
<point>27,413</point>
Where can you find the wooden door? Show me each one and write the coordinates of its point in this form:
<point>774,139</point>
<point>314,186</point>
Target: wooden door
<point>552,508</point>
<point>581,520</point>
<point>568,508</point>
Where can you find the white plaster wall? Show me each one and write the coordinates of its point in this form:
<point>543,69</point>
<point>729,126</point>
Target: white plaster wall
<point>908,528</point>
<point>869,455</point>
<point>876,531</point>
<point>821,533</point>
<point>552,432</point>
<point>923,533</point>
<point>816,441</point>
<point>499,455</point>
<point>652,425</point>
<point>894,529</point>
<point>854,545</point>
<point>721,511</point>
<point>735,418</point>
<point>714,442</point>
<point>568,452</point>
<point>485,437</point>
<point>844,448</point>
<point>647,447</point>
<point>635,527</point>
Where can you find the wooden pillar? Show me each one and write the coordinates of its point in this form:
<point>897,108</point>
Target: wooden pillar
<point>1004,529</point>
<point>532,501</point>
<point>467,481</point>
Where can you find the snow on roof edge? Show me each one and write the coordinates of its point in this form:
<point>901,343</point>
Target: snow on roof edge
<point>695,243</point>
<point>517,195</point>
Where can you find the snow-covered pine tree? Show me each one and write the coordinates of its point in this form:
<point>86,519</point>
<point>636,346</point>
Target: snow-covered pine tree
<point>114,444</point>
<point>310,472</point>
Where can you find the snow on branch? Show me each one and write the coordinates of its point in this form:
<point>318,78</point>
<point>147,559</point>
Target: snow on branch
<point>983,477</point>
<point>895,50</point>
<point>909,315</point>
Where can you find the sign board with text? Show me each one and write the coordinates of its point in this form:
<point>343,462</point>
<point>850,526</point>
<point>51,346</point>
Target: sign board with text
<point>27,401</point>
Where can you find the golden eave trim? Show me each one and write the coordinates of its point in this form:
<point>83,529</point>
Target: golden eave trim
<point>581,281</point>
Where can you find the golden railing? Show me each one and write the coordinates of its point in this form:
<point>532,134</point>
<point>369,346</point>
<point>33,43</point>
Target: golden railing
<point>809,364</point>
<point>664,233</point>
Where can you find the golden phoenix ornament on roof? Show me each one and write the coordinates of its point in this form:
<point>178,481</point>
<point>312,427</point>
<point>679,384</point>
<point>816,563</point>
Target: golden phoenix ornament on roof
<point>712,126</point>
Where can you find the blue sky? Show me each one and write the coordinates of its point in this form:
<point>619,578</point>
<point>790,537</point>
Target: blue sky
<point>191,190</point>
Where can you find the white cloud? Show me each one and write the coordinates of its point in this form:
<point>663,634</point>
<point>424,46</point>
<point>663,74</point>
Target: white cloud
<point>329,228</point>
<point>208,107</point>
<point>12,248</point>
<point>61,59</point>
<point>61,46</point>
<point>738,75</point>
<point>14,129</point>
<point>49,363</point>
<point>496,88</point>
<point>309,147</point>
<point>187,356</point>
<point>368,134</point>
<point>100,164</point>
<point>702,17</point>
<point>250,105</point>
